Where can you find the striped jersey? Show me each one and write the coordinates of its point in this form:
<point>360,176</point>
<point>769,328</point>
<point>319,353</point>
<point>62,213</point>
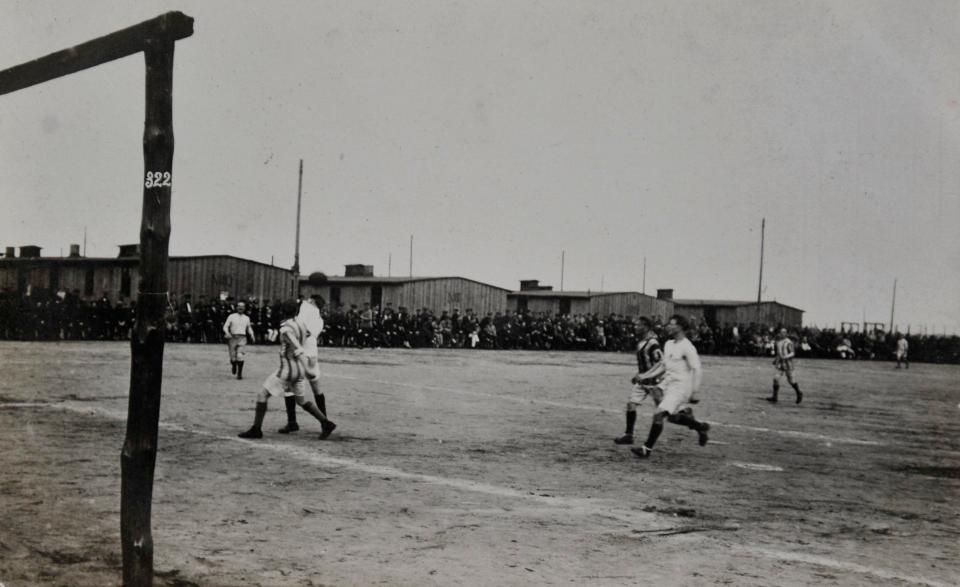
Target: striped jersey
<point>648,355</point>
<point>784,349</point>
<point>290,367</point>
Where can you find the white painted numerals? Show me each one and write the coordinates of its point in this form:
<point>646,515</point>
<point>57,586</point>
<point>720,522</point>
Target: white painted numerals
<point>157,179</point>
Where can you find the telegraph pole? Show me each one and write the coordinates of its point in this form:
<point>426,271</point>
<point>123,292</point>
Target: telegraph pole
<point>296,248</point>
<point>763,226</point>
<point>563,259</point>
<point>893,303</point>
<point>644,290</point>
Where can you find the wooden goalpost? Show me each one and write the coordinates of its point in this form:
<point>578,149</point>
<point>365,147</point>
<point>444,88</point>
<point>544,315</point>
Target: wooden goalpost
<point>155,38</point>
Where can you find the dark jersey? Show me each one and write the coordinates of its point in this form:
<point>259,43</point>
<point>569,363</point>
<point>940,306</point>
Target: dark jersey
<point>648,355</point>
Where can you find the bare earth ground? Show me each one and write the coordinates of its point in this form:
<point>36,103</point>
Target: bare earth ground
<point>483,468</point>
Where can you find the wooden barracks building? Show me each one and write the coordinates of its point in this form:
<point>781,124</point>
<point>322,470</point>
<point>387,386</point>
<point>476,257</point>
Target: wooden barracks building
<point>358,286</point>
<point>538,298</point>
<point>213,276</point>
<point>729,312</point>
<point>118,278</point>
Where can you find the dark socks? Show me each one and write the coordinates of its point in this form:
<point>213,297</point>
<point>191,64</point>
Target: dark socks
<point>290,403</point>
<point>321,402</point>
<point>796,388</point>
<point>233,367</point>
<point>259,415</point>
<point>239,369</point>
<point>631,421</point>
<point>655,429</point>
<point>686,419</point>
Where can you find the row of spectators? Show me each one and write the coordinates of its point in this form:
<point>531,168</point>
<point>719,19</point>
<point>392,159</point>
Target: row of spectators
<point>66,317</point>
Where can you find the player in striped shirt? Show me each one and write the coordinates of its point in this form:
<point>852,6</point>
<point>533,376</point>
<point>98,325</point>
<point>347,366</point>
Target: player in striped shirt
<point>648,355</point>
<point>784,353</point>
<point>309,316</point>
<point>289,375</point>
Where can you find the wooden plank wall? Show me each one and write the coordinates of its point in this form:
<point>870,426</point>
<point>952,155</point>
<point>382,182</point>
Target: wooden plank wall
<point>630,304</point>
<point>449,293</point>
<point>208,276</point>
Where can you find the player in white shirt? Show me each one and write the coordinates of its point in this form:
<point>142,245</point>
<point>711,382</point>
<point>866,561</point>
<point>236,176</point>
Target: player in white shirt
<point>784,352</point>
<point>236,330</point>
<point>681,373</point>
<point>902,351</point>
<point>309,315</point>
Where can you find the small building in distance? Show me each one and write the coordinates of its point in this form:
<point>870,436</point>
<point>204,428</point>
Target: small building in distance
<point>358,286</point>
<point>118,278</point>
<point>536,298</point>
<point>720,313</point>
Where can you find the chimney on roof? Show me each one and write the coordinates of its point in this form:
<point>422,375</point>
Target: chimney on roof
<point>11,252</point>
<point>129,250</point>
<point>29,252</point>
<point>74,250</point>
<point>357,270</point>
<point>534,285</point>
<point>664,294</point>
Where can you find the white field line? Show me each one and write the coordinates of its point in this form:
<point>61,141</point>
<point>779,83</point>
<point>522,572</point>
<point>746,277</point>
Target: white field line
<point>797,434</point>
<point>523,400</point>
<point>581,506</point>
<point>813,559</point>
<point>572,505</point>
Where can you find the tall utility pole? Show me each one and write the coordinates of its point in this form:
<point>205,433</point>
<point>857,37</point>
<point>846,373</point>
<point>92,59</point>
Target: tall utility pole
<point>154,38</point>
<point>389,264</point>
<point>763,227</point>
<point>411,255</point>
<point>644,289</point>
<point>563,260</point>
<point>893,304</point>
<point>84,241</point>
<point>296,247</point>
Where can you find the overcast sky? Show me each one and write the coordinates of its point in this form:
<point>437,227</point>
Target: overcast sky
<point>501,133</point>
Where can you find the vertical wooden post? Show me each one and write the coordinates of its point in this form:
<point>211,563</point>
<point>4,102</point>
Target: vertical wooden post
<point>763,229</point>
<point>296,249</point>
<point>155,38</point>
<point>139,454</point>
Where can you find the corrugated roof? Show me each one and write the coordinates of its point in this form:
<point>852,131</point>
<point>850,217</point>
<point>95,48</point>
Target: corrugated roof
<point>373,280</point>
<point>728,303</point>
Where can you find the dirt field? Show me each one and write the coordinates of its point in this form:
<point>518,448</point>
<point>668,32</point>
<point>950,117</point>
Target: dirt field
<point>483,468</point>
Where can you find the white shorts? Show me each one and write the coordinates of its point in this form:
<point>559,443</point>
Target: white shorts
<point>235,346</point>
<point>279,387</point>
<point>641,391</point>
<point>674,399</point>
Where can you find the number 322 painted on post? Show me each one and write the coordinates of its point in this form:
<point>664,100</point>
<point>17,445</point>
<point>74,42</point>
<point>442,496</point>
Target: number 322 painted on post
<point>157,179</point>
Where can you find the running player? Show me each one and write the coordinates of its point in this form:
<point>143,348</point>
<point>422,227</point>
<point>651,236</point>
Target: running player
<point>289,376</point>
<point>648,355</point>
<point>681,371</point>
<point>309,315</point>
<point>236,329</point>
<point>784,363</point>
<point>902,351</point>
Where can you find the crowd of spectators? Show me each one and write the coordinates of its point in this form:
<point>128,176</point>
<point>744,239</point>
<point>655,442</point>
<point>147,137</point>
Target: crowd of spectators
<point>64,316</point>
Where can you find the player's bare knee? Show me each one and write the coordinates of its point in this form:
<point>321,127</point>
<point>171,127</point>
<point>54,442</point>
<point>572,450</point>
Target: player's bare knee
<point>262,396</point>
<point>659,417</point>
<point>300,399</point>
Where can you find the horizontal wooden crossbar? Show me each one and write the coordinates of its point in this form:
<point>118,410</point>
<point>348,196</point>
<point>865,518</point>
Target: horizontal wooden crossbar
<point>169,27</point>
